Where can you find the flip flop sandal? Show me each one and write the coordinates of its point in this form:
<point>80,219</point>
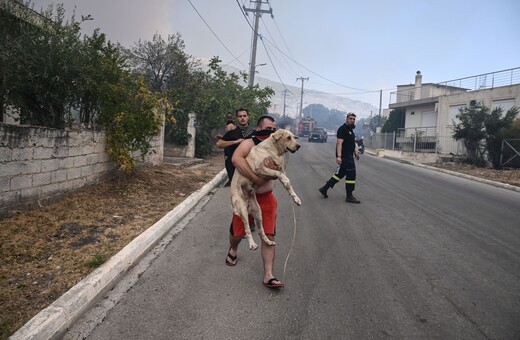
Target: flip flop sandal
<point>271,284</point>
<point>233,258</point>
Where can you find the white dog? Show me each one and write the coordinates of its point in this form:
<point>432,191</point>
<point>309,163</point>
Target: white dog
<point>243,196</point>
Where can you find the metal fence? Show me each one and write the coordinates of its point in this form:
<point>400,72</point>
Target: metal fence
<point>510,153</point>
<point>416,140</point>
<point>474,83</point>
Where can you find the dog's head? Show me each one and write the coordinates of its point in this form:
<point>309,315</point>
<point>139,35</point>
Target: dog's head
<point>285,140</point>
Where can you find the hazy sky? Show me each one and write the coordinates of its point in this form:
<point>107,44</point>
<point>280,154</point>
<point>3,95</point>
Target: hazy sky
<point>350,47</point>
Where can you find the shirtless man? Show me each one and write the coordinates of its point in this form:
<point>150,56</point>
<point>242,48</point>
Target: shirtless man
<point>264,195</point>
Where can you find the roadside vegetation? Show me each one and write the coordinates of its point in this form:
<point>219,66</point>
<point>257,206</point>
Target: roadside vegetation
<point>483,131</point>
<point>59,78</point>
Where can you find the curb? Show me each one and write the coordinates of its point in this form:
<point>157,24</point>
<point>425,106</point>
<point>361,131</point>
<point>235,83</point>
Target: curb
<point>53,321</point>
<point>453,173</point>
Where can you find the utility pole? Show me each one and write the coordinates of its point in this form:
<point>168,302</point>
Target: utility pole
<point>380,100</point>
<point>252,61</point>
<point>301,96</point>
<point>284,95</point>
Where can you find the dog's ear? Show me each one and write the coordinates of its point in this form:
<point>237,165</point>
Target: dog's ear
<point>277,134</point>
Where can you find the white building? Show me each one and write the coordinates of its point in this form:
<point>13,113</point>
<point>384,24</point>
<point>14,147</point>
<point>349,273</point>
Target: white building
<point>431,108</point>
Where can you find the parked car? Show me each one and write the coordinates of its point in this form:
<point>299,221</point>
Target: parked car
<point>318,135</point>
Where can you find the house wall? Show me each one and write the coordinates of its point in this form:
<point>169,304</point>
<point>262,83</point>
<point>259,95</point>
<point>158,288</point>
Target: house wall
<point>39,165</point>
<point>414,120</point>
<point>486,97</point>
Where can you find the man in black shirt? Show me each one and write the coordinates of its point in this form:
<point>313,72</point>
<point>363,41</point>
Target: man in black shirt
<point>232,138</point>
<point>345,154</point>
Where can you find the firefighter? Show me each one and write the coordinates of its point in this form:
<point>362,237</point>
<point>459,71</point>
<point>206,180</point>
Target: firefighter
<point>346,152</point>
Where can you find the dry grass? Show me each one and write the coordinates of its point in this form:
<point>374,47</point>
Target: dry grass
<point>509,176</point>
<point>45,252</point>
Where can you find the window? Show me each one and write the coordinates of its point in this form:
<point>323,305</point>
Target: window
<point>505,104</point>
<point>428,119</point>
<point>452,116</point>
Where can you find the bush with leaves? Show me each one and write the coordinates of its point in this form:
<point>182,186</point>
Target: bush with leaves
<point>479,125</point>
<point>42,54</point>
<point>132,119</point>
<point>210,95</point>
<point>471,131</point>
<point>395,121</point>
<point>222,92</point>
<point>52,70</point>
<point>496,126</point>
<point>166,68</point>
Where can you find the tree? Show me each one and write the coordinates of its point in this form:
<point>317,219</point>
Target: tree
<point>478,125</point>
<point>53,70</point>
<point>132,118</point>
<point>163,64</point>
<point>471,131</point>
<point>42,53</point>
<point>210,94</point>
<point>329,119</point>
<point>221,91</point>
<point>496,126</point>
<point>376,121</point>
<point>395,121</point>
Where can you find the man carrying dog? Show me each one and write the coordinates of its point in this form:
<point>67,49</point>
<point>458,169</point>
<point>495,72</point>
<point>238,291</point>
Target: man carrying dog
<point>345,154</point>
<point>232,138</point>
<point>264,195</point>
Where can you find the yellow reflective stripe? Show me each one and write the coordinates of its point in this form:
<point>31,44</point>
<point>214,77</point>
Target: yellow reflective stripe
<point>336,177</point>
<point>350,182</point>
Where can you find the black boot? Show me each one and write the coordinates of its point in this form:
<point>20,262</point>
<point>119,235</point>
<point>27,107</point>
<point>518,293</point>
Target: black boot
<point>323,190</point>
<point>351,198</point>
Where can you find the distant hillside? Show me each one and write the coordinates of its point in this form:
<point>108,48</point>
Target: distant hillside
<point>311,96</point>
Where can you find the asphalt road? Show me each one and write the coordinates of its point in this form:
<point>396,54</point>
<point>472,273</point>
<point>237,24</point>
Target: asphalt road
<point>425,255</point>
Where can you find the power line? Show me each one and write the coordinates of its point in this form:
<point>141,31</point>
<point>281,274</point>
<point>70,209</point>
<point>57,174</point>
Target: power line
<point>272,64</point>
<point>216,36</point>
<point>322,77</point>
<point>290,70</point>
<point>283,40</point>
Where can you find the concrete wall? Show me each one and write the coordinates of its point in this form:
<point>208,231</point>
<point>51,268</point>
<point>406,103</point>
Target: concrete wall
<point>413,156</point>
<point>486,97</point>
<point>39,165</point>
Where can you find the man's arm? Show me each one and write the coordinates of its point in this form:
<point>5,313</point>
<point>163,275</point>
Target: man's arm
<point>222,144</point>
<point>339,149</point>
<point>240,162</point>
<point>230,127</point>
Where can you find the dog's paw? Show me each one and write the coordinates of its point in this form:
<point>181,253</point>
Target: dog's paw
<point>297,200</point>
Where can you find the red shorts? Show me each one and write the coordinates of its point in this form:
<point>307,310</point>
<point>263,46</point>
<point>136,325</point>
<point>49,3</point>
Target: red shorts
<point>268,204</point>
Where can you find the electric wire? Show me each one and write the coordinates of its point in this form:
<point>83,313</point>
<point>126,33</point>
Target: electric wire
<point>272,64</point>
<point>216,36</point>
<point>299,64</point>
<point>294,74</point>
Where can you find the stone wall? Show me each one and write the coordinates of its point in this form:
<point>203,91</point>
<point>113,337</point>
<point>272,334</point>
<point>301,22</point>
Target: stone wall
<point>38,165</point>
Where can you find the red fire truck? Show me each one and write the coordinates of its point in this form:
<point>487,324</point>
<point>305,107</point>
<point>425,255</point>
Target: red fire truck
<point>305,126</point>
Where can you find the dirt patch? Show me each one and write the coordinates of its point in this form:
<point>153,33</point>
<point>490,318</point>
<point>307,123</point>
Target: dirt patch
<point>45,252</point>
<point>506,175</point>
